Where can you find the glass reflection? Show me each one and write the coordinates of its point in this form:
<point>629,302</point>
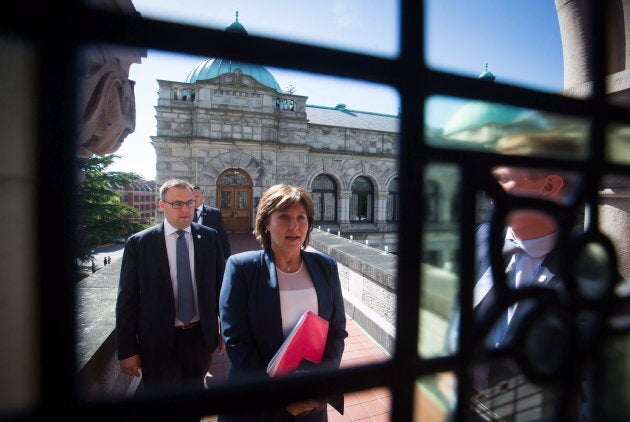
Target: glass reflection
<point>618,143</point>
<point>435,397</point>
<point>479,125</point>
<point>440,267</point>
<point>507,302</point>
<point>615,388</point>
<point>550,330</point>
<point>511,397</point>
<point>592,271</point>
<point>614,218</point>
<point>226,200</point>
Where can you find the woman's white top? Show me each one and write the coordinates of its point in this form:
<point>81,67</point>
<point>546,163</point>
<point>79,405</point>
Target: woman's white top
<point>297,295</point>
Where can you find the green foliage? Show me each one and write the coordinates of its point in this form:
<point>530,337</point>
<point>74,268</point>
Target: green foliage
<point>100,215</point>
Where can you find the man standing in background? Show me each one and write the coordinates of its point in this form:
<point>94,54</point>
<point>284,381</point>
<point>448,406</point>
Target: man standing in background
<point>211,217</point>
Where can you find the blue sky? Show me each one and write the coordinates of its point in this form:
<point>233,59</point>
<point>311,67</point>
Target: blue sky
<point>519,39</point>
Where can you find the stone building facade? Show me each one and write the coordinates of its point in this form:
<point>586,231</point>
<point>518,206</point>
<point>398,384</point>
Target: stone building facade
<point>238,137</point>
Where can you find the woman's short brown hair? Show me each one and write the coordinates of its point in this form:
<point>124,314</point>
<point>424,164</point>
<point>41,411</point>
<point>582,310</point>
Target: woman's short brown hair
<point>281,197</point>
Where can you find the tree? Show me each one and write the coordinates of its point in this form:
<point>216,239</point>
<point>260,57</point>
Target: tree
<point>100,215</point>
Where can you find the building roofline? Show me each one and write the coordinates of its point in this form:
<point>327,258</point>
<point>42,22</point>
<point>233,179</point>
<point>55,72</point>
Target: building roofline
<point>352,111</point>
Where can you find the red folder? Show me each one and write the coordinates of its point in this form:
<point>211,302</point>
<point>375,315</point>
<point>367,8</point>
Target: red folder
<point>307,341</point>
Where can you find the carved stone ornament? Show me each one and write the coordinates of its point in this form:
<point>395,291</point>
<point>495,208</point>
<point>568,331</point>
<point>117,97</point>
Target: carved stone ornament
<point>106,104</point>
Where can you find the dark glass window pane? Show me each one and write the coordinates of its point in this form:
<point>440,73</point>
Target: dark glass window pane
<point>440,267</point>
<point>618,144</point>
<point>323,182</point>
<point>361,204</point>
<point>393,200</point>
<point>234,179</point>
<point>21,355</point>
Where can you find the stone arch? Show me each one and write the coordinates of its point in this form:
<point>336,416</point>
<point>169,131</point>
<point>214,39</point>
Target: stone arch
<point>374,171</point>
<point>238,159</point>
<point>370,177</point>
<point>331,167</point>
<point>328,172</point>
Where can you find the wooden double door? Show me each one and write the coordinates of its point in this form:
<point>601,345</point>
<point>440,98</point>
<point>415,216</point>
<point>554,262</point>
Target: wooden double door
<point>234,199</point>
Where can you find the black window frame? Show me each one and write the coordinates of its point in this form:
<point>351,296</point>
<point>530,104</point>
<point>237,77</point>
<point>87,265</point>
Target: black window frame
<point>57,29</point>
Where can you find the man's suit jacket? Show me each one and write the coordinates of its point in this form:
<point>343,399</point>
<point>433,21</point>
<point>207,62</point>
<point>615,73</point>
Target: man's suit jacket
<point>145,309</point>
<point>251,320</point>
<point>548,276</point>
<point>211,217</point>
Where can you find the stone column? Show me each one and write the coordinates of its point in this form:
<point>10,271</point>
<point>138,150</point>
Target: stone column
<point>344,209</point>
<point>614,219</point>
<point>380,217</point>
<point>575,32</point>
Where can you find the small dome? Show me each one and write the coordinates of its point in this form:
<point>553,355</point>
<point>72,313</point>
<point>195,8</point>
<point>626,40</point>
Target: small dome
<point>236,27</point>
<point>481,113</point>
<point>211,68</point>
<point>486,75</point>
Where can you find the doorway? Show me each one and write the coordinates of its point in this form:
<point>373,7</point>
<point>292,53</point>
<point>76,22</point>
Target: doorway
<point>234,199</point>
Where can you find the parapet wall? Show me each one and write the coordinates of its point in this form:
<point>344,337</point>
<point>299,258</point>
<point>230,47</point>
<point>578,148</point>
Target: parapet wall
<point>99,372</point>
<point>369,279</point>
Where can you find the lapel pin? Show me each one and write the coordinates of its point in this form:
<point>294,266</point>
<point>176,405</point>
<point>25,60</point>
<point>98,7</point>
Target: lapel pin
<point>198,236</point>
<point>542,278</point>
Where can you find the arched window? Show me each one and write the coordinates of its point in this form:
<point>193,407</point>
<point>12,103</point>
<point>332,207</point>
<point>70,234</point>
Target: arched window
<point>362,201</point>
<point>393,200</point>
<point>431,201</point>
<point>324,193</point>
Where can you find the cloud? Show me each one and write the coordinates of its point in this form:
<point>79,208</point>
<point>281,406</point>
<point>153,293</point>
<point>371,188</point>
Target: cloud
<point>346,14</point>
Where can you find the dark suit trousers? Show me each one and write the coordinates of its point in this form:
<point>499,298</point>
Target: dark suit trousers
<point>187,366</point>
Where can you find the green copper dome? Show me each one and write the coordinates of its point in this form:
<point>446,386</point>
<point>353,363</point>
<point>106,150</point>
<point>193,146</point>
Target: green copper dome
<point>236,27</point>
<point>486,75</point>
<point>211,68</point>
<point>480,113</point>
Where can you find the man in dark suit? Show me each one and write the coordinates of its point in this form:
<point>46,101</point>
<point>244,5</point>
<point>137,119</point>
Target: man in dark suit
<point>160,336</point>
<point>211,217</point>
<point>532,260</point>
